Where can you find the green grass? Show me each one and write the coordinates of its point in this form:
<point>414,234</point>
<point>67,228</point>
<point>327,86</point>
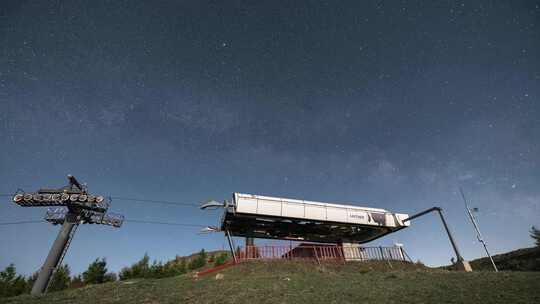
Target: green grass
<point>297,282</point>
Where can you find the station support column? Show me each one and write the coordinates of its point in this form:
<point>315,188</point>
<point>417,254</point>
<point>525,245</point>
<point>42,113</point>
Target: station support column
<point>55,254</point>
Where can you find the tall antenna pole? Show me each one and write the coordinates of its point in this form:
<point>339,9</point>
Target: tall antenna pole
<point>478,234</point>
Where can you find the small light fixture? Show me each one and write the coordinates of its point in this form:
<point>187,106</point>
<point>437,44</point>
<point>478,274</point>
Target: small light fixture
<point>212,205</point>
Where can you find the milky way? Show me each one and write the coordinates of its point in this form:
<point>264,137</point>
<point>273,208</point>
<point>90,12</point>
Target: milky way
<point>390,104</point>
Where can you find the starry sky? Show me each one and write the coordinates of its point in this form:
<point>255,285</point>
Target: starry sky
<point>389,104</point>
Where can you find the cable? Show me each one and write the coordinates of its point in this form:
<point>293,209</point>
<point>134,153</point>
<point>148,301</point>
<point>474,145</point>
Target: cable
<point>162,223</point>
<point>20,222</point>
<point>138,200</point>
<point>126,220</point>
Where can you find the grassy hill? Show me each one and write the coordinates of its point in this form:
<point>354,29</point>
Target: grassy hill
<point>526,259</point>
<point>298,282</point>
<point>211,256</point>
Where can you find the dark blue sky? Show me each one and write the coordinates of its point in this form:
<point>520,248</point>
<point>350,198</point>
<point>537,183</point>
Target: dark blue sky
<point>390,104</point>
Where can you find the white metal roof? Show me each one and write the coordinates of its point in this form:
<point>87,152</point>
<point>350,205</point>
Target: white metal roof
<point>270,217</point>
<point>308,202</point>
<point>315,211</point>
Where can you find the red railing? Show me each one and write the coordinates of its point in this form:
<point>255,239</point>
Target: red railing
<point>213,269</point>
<point>313,252</point>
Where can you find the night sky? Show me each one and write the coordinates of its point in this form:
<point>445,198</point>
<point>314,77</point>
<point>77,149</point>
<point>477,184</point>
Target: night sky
<point>390,104</point>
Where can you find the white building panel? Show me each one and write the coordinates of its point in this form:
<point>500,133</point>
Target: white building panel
<point>390,221</point>
<point>246,205</point>
<point>269,207</point>
<point>315,212</point>
<point>334,214</point>
<point>292,208</point>
<point>295,210</point>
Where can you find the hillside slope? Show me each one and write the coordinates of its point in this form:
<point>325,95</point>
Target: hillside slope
<point>526,259</point>
<point>295,282</point>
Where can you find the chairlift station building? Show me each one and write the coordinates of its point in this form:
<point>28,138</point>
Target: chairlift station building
<point>255,216</point>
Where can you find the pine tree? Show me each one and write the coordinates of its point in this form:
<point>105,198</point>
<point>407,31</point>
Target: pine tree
<point>11,284</point>
<point>6,279</point>
<point>95,274</point>
<point>110,277</point>
<point>19,285</point>
<point>203,255</point>
<point>182,267</point>
<point>199,261</point>
<point>137,270</point>
<point>60,279</point>
<point>76,282</point>
<point>221,259</point>
<point>157,270</point>
<point>535,234</point>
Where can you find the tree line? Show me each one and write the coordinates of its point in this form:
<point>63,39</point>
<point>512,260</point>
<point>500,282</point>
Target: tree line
<point>13,284</point>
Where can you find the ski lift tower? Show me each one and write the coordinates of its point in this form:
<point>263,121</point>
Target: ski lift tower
<point>72,205</point>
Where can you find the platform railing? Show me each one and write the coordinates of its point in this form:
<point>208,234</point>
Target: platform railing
<point>357,253</point>
<point>322,253</point>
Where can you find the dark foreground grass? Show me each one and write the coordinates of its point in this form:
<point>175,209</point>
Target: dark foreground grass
<point>286,282</point>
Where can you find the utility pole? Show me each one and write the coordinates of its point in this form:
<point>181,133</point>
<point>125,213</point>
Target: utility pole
<point>475,225</point>
<point>73,206</point>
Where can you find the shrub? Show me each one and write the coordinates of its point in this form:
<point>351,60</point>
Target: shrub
<point>61,279</point>
<point>137,270</point>
<point>221,259</point>
<point>199,261</point>
<point>97,273</point>
<point>12,284</point>
<point>76,282</point>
